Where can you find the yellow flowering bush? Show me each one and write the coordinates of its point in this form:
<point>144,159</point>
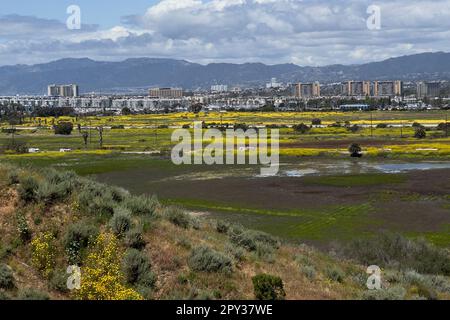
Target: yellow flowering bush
<point>43,253</point>
<point>101,276</point>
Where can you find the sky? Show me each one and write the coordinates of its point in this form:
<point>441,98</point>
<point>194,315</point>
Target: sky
<point>304,32</point>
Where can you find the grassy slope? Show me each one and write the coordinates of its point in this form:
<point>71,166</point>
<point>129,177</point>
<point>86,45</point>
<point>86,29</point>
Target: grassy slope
<point>169,247</point>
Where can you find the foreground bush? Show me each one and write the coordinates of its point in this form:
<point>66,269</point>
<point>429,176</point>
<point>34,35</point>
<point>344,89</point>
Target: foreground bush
<point>208,260</point>
<point>43,253</point>
<point>120,223</point>
<point>252,240</point>
<point>135,239</point>
<point>28,190</point>
<point>32,294</point>
<point>142,205</point>
<point>102,276</point>
<point>178,217</point>
<point>137,269</point>
<point>77,238</point>
<point>390,250</point>
<point>268,287</point>
<point>6,277</point>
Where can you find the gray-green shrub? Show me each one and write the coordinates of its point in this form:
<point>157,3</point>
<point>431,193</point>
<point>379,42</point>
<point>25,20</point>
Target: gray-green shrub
<point>28,189</point>
<point>134,238</point>
<point>142,205</point>
<point>137,269</point>
<point>78,236</point>
<point>208,260</point>
<point>178,217</point>
<point>120,222</point>
<point>393,250</point>
<point>6,277</point>
<point>335,273</point>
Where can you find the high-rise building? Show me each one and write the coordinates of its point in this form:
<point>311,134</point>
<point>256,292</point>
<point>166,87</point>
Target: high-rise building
<point>388,88</point>
<point>428,89</point>
<point>168,93</point>
<point>65,90</point>
<point>273,84</point>
<point>357,88</point>
<point>307,90</point>
<point>219,88</point>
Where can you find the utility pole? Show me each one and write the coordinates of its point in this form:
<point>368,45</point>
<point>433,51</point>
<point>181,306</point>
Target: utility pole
<point>371,124</point>
<point>401,129</point>
<point>446,125</point>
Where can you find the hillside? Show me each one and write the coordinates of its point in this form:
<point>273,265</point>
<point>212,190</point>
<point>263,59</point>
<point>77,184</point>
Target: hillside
<point>132,247</point>
<point>137,75</point>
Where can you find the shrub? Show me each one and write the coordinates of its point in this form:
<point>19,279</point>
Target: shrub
<point>135,239</point>
<point>23,228</point>
<point>382,126</point>
<point>268,287</point>
<point>335,274</point>
<point>28,189</point>
<point>43,253</point>
<point>208,260</point>
<point>50,193</point>
<point>301,128</point>
<point>64,128</point>
<point>96,199</point>
<point>119,195</point>
<point>222,226</point>
<point>77,238</point>
<point>6,277</point>
<point>393,293</point>
<point>393,250</point>
<point>178,217</point>
<point>316,122</point>
<point>309,272</point>
<point>4,296</point>
<point>13,177</point>
<point>58,281</point>
<point>102,276</point>
<point>142,205</point>
<point>250,239</point>
<point>120,223</point>
<point>32,294</point>
<point>355,150</point>
<point>137,269</point>
<point>236,253</point>
<point>420,133</point>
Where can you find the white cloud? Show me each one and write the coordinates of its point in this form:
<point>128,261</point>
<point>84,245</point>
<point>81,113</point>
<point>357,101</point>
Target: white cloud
<point>305,32</point>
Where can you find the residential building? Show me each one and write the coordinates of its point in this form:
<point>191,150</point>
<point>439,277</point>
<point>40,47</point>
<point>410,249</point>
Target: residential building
<point>357,88</point>
<point>307,90</point>
<point>428,89</point>
<point>168,93</point>
<point>273,84</point>
<point>388,88</point>
<point>66,90</point>
<point>219,88</point>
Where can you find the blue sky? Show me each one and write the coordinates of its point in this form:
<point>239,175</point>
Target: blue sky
<point>106,13</point>
<point>304,32</point>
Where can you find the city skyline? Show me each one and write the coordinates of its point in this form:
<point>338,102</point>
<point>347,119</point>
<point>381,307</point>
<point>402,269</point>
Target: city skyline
<point>312,33</point>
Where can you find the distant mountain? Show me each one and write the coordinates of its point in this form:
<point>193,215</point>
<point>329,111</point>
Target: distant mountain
<point>141,73</point>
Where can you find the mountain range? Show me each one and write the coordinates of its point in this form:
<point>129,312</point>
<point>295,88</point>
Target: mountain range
<point>138,74</point>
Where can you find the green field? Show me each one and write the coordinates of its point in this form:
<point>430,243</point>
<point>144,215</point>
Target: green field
<point>328,205</point>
